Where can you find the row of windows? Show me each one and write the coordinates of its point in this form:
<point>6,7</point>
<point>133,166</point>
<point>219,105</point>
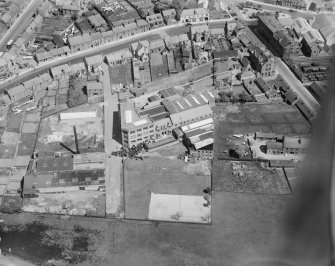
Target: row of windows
<point>193,120</point>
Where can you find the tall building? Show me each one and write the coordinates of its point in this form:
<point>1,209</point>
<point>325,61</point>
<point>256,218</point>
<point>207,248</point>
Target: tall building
<point>284,41</point>
<point>164,119</point>
<point>263,62</point>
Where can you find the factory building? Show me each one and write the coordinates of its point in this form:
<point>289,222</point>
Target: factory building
<point>173,116</point>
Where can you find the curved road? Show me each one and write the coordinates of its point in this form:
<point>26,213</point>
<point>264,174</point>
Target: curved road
<point>102,49</point>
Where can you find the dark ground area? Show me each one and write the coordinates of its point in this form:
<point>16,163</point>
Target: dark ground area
<point>246,230</point>
<point>249,118</point>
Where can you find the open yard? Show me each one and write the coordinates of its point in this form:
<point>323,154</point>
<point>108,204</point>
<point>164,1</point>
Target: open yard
<point>160,175</point>
<point>248,177</point>
<point>53,132</point>
<point>248,118</point>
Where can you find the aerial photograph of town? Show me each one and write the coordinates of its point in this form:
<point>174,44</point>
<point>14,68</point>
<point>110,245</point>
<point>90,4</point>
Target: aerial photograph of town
<point>167,132</point>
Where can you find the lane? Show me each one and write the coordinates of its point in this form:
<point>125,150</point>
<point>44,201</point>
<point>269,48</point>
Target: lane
<point>113,183</point>
<point>296,85</point>
<point>20,23</point>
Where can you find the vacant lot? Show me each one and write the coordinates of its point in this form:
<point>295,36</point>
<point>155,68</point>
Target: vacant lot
<point>88,203</point>
<point>249,118</point>
<point>52,132</point>
<point>26,144</point>
<point>159,175</point>
<point>247,177</point>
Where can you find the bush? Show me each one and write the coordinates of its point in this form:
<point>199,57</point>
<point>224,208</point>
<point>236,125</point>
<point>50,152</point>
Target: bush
<point>11,204</point>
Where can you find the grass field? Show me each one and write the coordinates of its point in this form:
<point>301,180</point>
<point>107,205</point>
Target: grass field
<point>158,175</point>
<point>249,118</point>
<point>247,177</point>
<point>26,144</point>
<point>14,122</point>
<point>121,74</point>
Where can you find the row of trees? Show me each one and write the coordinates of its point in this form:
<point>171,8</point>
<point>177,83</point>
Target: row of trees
<point>243,97</point>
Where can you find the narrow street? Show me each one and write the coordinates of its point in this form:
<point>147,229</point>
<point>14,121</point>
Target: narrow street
<point>114,189</point>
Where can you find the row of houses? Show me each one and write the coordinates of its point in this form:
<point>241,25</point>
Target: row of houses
<point>53,53</point>
<point>13,12</point>
<point>29,87</point>
<point>86,41</point>
<point>56,174</point>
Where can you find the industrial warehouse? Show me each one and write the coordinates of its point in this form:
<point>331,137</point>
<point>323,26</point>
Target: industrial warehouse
<point>187,119</point>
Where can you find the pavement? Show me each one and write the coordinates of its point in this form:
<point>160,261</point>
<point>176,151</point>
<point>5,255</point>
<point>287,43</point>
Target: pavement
<point>114,189</point>
<point>296,85</point>
<point>20,23</point>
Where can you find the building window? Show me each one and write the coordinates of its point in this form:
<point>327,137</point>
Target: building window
<point>74,179</point>
<point>61,181</point>
<point>87,179</point>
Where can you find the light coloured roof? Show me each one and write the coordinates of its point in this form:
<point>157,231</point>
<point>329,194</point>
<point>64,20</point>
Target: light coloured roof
<point>188,115</point>
<point>296,142</point>
<point>74,40</point>
<point>3,62</point>
<point>154,44</point>
<point>55,71</point>
<point>94,86</point>
<point>141,22</point>
<point>95,59</point>
<point>16,90</point>
<point>169,12</point>
<point>119,55</point>
<point>194,12</point>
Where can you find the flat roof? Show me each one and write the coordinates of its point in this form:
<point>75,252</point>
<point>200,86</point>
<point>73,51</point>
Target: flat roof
<point>51,164</point>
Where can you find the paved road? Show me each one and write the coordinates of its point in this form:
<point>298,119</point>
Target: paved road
<point>20,23</point>
<point>104,49</point>
<point>72,59</point>
<point>296,85</point>
<point>113,164</point>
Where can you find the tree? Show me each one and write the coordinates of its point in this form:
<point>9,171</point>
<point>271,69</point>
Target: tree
<point>243,97</point>
<point>74,17</point>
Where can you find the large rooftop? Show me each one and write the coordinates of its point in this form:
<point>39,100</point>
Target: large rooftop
<point>271,22</point>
